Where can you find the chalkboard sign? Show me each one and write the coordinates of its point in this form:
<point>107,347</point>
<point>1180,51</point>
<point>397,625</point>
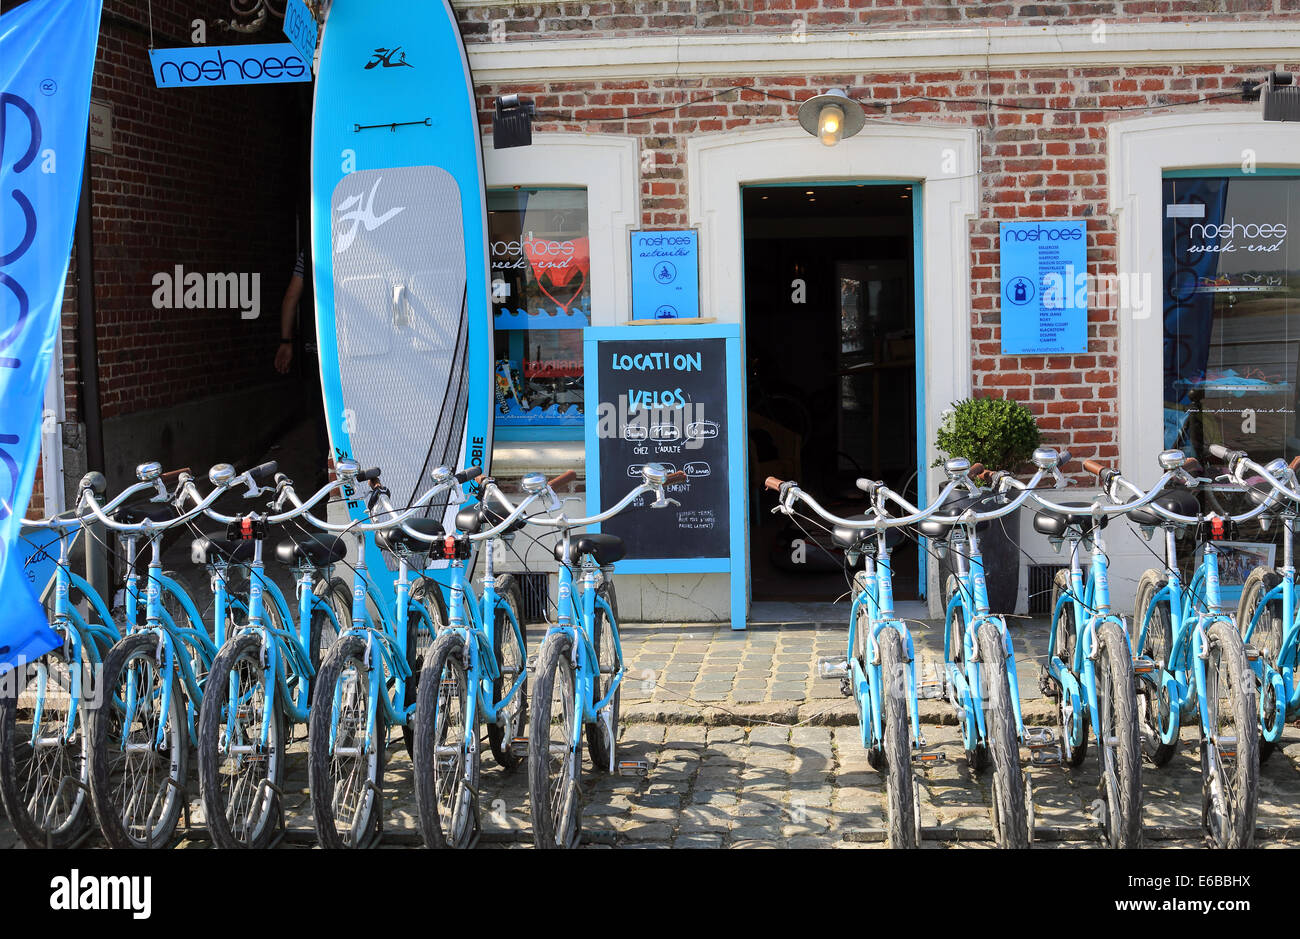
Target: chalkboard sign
<point>669,395</point>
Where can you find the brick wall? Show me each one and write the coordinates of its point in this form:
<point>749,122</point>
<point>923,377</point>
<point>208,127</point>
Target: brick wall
<point>1036,162</point>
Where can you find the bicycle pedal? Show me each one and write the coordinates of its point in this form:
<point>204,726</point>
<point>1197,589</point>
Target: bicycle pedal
<point>1038,738</point>
<point>1046,756</point>
<point>929,758</point>
<point>832,668</point>
<point>931,689</point>
<point>519,747</point>
<point>1252,652</point>
<point>633,768</point>
<point>1144,665</point>
<point>1227,747</point>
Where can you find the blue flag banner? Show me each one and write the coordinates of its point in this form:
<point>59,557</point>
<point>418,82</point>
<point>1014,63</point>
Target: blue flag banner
<point>45,70</point>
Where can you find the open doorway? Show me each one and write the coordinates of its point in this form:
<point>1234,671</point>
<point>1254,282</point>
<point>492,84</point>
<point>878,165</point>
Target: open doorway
<point>831,351</point>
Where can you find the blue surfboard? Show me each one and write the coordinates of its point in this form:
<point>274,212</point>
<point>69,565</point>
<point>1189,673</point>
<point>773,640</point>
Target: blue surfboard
<point>399,246</point>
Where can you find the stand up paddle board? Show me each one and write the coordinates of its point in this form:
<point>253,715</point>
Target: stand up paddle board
<point>399,246</point>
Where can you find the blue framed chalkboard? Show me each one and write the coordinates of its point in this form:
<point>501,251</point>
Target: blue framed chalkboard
<point>672,395</point>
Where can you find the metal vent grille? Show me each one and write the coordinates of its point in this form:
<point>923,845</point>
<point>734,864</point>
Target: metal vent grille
<point>1040,588</point>
<point>535,588</point>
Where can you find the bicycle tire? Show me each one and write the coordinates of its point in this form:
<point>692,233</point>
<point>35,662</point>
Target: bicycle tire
<point>32,806</point>
<point>553,768</point>
<point>1153,713</point>
<point>900,794</point>
<point>509,655</point>
<point>978,759</point>
<point>419,646</point>
<point>364,791</point>
<point>444,802</point>
<point>602,640</point>
<point>139,649</point>
<point>1117,707</point>
<point>1243,768</point>
<point>1067,634</point>
<point>1010,822</point>
<point>1267,636</point>
<point>223,819</point>
<point>321,632</point>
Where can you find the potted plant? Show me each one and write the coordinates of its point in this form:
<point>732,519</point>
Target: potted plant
<point>1001,434</point>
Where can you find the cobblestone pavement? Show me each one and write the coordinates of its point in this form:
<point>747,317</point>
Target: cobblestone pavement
<point>710,711</point>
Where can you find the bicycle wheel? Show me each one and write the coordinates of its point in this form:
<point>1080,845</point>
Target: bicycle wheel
<point>512,659</point>
<point>239,774</point>
<point>602,744</point>
<point>345,775</point>
<point>1010,822</point>
<point>1229,775</point>
<point>554,750</point>
<point>139,755</point>
<point>977,759</point>
<point>419,645</point>
<point>43,767</point>
<point>1267,637</point>
<point>446,757</point>
<point>1154,707</point>
<point>1066,636</point>
<point>1119,746</point>
<point>322,631</point>
<point>899,790</point>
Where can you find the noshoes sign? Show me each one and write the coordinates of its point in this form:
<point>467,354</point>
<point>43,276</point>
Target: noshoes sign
<point>198,66</point>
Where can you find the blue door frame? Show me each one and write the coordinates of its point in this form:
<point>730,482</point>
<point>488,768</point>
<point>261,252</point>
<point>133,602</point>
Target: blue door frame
<point>918,294</point>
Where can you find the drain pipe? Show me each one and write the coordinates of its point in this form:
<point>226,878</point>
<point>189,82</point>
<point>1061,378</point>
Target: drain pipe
<point>88,366</point>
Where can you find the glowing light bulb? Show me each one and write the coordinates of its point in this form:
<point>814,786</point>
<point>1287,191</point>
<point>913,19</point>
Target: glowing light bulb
<point>830,124</point>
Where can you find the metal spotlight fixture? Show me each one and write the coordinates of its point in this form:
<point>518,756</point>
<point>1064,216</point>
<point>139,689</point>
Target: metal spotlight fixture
<point>832,116</point>
<point>1280,95</point>
<point>512,124</point>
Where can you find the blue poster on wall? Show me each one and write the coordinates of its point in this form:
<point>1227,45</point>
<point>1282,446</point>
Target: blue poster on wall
<point>665,275</point>
<point>1044,297</point>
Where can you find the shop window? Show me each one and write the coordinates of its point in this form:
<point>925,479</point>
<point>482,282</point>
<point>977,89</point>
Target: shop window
<point>1231,314</point>
<point>541,301</point>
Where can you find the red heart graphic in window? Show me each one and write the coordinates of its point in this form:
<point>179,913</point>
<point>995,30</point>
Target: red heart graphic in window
<point>560,273</point>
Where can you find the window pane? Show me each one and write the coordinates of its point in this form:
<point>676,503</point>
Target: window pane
<point>541,296</point>
<point>1231,269</point>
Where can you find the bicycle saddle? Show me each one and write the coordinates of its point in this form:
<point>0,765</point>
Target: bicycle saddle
<point>606,549</point>
<point>1054,524</point>
<point>1261,493</point>
<point>480,515</point>
<point>209,548</point>
<point>1180,501</point>
<point>850,538</point>
<point>394,538</point>
<point>316,550</point>
<point>137,512</point>
<point>939,524</point>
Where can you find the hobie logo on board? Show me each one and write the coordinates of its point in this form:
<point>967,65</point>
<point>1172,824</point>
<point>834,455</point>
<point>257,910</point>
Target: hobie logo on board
<point>353,209</point>
<point>389,58</point>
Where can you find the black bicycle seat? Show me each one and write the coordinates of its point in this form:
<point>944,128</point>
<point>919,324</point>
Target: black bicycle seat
<point>854,538</point>
<point>316,550</point>
<point>1178,501</point>
<point>940,524</point>
<point>394,538</point>
<point>606,549</point>
<point>207,549</point>
<point>1054,523</point>
<point>481,515</point>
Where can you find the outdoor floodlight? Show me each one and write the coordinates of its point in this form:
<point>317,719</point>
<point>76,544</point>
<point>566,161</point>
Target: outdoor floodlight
<point>1280,96</point>
<point>512,124</point>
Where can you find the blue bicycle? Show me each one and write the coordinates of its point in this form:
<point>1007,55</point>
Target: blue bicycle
<point>44,743</point>
<point>580,669</point>
<point>368,680</point>
<point>477,672</point>
<point>1200,668</point>
<point>142,720</point>
<point>979,663</point>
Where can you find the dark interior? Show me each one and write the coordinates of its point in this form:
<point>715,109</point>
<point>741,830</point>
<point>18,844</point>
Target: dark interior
<point>830,343</point>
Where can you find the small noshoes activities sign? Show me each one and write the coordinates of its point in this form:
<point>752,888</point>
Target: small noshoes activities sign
<point>254,64</point>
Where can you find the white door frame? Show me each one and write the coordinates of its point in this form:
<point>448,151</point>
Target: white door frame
<point>943,160</point>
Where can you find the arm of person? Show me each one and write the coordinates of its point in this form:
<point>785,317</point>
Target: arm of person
<point>288,307</point>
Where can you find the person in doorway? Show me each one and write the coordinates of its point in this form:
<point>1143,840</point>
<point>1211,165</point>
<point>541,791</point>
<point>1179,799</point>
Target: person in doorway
<point>312,399</point>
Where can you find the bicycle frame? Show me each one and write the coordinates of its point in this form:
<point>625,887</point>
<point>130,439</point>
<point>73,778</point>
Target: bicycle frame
<point>1090,604</point>
<point>868,684</point>
<point>477,630</point>
<point>1189,641</point>
<point>972,599</point>
<point>1283,678</point>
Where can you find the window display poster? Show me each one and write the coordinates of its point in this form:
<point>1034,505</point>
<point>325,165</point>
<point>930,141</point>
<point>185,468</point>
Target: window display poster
<point>1044,287</point>
<point>665,275</point>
